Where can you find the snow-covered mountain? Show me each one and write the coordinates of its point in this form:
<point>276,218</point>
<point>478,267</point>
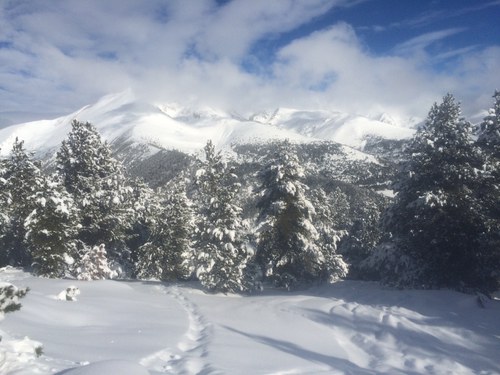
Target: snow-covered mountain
<point>125,118</point>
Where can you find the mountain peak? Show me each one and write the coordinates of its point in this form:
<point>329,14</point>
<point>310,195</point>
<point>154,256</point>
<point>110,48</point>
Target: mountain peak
<point>177,111</point>
<point>172,125</point>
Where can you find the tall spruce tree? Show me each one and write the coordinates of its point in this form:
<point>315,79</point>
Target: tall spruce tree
<point>146,206</point>
<point>219,256</point>
<point>98,186</point>
<point>326,219</point>
<point>4,214</point>
<point>489,190</point>
<point>435,224</point>
<point>51,230</point>
<point>21,179</point>
<point>489,143</point>
<point>168,247</point>
<point>489,131</point>
<point>289,248</point>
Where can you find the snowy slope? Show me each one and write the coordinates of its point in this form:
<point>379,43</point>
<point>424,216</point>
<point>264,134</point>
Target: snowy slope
<point>344,128</point>
<point>352,327</point>
<point>172,126</point>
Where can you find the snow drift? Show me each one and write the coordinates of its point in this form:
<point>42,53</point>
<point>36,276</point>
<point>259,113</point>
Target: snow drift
<point>350,327</point>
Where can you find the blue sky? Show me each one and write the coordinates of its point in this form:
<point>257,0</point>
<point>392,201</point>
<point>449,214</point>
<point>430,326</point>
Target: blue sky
<point>363,56</point>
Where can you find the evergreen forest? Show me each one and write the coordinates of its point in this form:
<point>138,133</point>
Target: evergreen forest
<point>269,217</point>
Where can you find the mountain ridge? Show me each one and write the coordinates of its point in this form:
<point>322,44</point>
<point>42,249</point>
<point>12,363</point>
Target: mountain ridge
<point>124,117</point>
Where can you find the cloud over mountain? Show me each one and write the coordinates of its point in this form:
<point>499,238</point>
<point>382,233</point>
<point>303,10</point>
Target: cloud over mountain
<point>56,56</point>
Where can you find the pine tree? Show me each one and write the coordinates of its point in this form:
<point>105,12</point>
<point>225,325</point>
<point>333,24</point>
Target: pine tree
<point>435,222</point>
<point>489,143</point>
<point>145,208</point>
<point>289,249</point>
<point>179,214</point>
<point>332,264</point>
<point>489,132</point>
<point>9,298</point>
<point>488,192</point>
<point>169,244</point>
<point>94,265</point>
<point>363,225</point>
<point>4,215</point>
<point>98,186</point>
<point>21,179</point>
<point>84,160</point>
<point>51,230</point>
<point>220,256</point>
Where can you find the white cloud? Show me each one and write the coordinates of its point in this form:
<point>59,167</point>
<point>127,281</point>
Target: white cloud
<point>400,83</point>
<point>62,55</point>
<point>233,28</point>
<point>419,43</point>
<point>362,82</point>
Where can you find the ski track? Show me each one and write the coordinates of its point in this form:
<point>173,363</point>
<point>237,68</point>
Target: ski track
<point>189,357</point>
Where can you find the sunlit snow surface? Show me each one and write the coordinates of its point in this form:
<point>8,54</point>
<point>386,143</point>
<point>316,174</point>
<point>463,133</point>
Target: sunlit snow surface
<point>123,117</point>
<point>122,327</point>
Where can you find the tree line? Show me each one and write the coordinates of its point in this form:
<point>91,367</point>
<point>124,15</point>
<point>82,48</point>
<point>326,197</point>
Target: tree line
<point>89,220</point>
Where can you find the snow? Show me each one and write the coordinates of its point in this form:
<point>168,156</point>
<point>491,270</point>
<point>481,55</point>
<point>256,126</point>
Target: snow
<point>351,327</point>
<point>348,129</point>
<point>123,116</point>
<point>121,367</point>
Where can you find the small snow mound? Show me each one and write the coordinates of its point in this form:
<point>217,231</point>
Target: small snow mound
<point>69,294</point>
<point>18,354</point>
<point>482,300</point>
<point>121,367</point>
<point>10,273</point>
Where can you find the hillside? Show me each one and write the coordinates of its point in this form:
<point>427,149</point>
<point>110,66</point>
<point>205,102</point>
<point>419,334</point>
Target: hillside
<point>159,142</point>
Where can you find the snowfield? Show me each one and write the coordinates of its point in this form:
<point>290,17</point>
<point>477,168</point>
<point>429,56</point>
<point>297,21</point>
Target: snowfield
<point>123,117</point>
<point>352,327</point>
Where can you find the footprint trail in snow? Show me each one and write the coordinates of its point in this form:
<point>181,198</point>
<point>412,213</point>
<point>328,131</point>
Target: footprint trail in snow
<point>190,355</point>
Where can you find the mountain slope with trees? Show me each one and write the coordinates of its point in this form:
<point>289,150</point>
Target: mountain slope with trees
<point>283,211</point>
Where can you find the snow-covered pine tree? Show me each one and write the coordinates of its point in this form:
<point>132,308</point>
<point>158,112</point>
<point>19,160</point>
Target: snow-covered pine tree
<point>21,179</point>
<point>489,190</point>
<point>169,245</point>
<point>435,223</point>
<point>489,130</point>
<point>489,143</point>
<point>145,208</point>
<point>98,186</point>
<point>325,221</point>
<point>180,216</point>
<point>94,265</point>
<point>4,218</point>
<point>363,222</point>
<point>288,247</point>
<point>9,298</point>
<point>220,255</point>
<point>51,230</point>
